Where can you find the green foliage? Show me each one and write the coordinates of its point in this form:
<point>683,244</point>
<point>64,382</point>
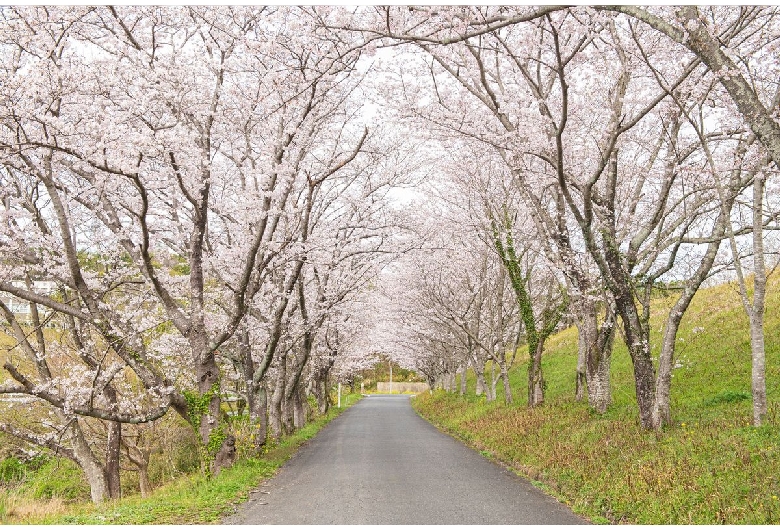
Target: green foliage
<point>180,269</point>
<point>710,466</point>
<point>195,499</point>
<point>198,404</point>
<point>190,499</point>
<point>197,407</point>
<point>12,471</point>
<point>58,477</point>
<point>519,280</point>
<point>551,314</point>
<point>101,263</point>
<point>216,438</point>
<point>381,372</point>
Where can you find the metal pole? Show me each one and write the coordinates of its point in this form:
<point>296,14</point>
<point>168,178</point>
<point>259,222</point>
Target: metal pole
<point>339,405</point>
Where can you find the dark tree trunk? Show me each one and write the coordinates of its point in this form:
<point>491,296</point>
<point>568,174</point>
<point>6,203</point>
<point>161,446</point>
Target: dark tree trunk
<point>638,343</point>
<point>535,377</point>
<point>256,395</point>
<point>301,408</point>
<point>321,394</point>
<point>111,468</point>
<point>507,389</point>
<point>277,397</point>
<point>225,456</point>
<point>599,341</point>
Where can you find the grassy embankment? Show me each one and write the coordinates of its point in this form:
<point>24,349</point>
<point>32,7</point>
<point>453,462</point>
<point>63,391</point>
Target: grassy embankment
<point>710,466</point>
<point>191,499</point>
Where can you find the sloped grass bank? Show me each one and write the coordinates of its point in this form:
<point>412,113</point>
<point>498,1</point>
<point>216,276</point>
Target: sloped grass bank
<point>192,499</point>
<point>711,466</point>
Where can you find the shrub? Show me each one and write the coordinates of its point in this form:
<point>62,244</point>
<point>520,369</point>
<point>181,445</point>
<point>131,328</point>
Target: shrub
<point>12,471</point>
<point>58,478</point>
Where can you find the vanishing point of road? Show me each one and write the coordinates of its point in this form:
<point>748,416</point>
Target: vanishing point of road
<point>380,463</point>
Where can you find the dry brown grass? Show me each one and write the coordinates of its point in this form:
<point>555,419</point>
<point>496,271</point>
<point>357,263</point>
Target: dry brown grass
<point>15,509</point>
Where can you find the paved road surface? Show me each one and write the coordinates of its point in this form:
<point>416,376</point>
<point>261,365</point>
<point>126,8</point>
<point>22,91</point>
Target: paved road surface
<point>380,463</point>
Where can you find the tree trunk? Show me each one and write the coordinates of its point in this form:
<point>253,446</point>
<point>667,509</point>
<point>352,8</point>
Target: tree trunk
<point>288,413</point>
<point>507,389</point>
<point>581,380</point>
<point>93,471</point>
<point>451,385</point>
<point>225,456</point>
<point>258,415</point>
<point>480,371</point>
<point>113,448</point>
<point>293,404</point>
<point>638,343</point>
<point>139,456</point>
<point>143,479</point>
<point>599,387</point>
<point>275,408</point>
<point>256,396</point>
<point>535,377</point>
<point>756,315</point>
<point>463,371</point>
<point>636,331</point>
<point>300,414</point>
<point>600,340</point>
<point>662,414</point>
<point>758,371</point>
<point>207,373</point>
<point>493,381</point>
<point>111,468</point>
<point>320,391</point>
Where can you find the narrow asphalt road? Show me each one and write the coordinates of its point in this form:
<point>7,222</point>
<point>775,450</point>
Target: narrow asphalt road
<point>380,463</point>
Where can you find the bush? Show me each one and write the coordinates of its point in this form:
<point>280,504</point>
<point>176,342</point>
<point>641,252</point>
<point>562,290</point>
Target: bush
<point>175,451</point>
<point>12,471</point>
<point>57,478</point>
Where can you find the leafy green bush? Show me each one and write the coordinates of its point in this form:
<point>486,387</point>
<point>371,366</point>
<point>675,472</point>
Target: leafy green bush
<point>59,478</point>
<point>12,471</point>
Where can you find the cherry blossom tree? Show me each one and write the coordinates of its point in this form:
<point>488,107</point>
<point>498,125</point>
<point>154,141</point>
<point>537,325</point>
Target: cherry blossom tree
<point>588,135</point>
<point>210,197</point>
<point>164,144</point>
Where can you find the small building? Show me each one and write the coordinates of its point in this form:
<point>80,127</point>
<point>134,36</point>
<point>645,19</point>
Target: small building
<point>21,308</point>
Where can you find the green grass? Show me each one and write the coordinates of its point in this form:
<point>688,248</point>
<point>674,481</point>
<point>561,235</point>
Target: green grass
<point>192,499</point>
<point>710,466</point>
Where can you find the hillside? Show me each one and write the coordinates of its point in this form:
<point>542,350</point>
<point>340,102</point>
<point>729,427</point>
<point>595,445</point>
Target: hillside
<point>711,466</point>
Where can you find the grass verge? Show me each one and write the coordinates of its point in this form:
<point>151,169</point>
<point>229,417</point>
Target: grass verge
<point>192,499</point>
<point>710,466</point>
